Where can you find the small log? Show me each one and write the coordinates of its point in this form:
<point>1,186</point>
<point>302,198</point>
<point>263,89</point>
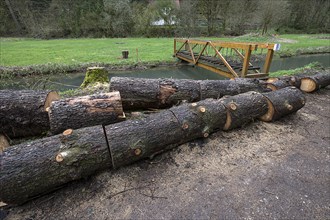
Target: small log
<point>140,93</point>
<point>278,84</point>
<point>283,102</point>
<point>23,113</point>
<point>294,80</point>
<point>315,82</point>
<point>95,75</point>
<point>4,143</point>
<point>85,111</point>
<point>244,108</point>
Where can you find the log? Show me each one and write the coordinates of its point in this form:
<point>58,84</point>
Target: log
<point>23,113</point>
<point>138,93</point>
<point>294,80</point>
<point>315,82</point>
<point>32,169</point>
<point>85,111</point>
<point>4,143</point>
<point>283,102</point>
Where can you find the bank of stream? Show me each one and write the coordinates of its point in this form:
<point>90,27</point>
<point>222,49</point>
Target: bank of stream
<point>64,82</point>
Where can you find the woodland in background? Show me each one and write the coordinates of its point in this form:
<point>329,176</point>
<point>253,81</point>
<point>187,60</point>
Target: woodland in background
<point>126,18</point>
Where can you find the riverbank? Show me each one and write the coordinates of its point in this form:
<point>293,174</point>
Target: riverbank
<point>25,57</point>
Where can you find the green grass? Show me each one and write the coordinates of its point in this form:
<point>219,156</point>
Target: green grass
<point>74,52</point>
<point>308,69</point>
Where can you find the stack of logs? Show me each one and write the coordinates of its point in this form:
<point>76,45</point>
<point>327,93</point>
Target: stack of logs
<point>209,106</point>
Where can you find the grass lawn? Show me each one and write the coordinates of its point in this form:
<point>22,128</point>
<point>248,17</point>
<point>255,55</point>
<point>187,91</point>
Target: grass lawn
<point>26,52</point>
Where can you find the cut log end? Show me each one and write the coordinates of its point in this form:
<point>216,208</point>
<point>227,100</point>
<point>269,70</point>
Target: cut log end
<point>308,85</point>
<point>67,132</point>
<point>270,113</point>
<point>271,79</point>
<point>271,86</point>
<point>52,96</point>
<point>4,143</point>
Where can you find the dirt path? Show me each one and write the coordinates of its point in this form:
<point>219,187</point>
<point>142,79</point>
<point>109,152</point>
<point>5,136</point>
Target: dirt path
<point>263,171</point>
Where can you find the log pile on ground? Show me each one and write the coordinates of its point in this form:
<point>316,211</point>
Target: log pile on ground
<point>23,113</point>
<point>85,111</point>
<point>56,160</point>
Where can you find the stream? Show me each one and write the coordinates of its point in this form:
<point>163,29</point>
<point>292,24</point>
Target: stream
<point>71,81</point>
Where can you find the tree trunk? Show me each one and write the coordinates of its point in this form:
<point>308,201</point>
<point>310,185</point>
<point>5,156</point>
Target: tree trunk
<point>137,93</point>
<point>85,111</point>
<point>315,82</point>
<point>4,143</point>
<point>34,168</point>
<point>23,113</point>
<point>29,170</point>
<point>283,102</point>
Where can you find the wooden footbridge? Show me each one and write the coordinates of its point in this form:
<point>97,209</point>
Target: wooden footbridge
<point>213,55</point>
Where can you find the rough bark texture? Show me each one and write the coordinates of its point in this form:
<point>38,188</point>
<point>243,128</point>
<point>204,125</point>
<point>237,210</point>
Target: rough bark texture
<point>23,113</point>
<point>283,102</point>
<point>140,93</point>
<point>31,169</point>
<point>85,111</point>
<point>315,82</point>
<point>164,130</point>
<point>4,143</point>
<point>244,108</point>
<point>35,168</point>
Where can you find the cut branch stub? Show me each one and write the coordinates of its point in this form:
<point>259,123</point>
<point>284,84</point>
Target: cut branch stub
<point>52,161</point>
<point>23,113</point>
<point>85,111</point>
<point>244,108</point>
<point>283,102</point>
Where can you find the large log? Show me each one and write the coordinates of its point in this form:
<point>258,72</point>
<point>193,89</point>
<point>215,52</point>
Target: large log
<point>138,93</point>
<point>29,170</point>
<point>23,113</point>
<point>283,102</point>
<point>85,111</point>
<point>315,82</point>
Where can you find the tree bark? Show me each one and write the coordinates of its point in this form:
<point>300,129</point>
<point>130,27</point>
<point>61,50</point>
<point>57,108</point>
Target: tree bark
<point>85,111</point>
<point>283,102</point>
<point>291,80</point>
<point>315,82</point>
<point>140,93</point>
<point>244,108</point>
<point>23,113</point>
<point>30,170</point>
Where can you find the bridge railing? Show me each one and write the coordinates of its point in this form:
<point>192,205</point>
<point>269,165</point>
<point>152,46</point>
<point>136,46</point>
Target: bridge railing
<point>213,55</point>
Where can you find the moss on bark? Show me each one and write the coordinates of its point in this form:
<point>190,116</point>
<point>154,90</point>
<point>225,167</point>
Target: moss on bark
<point>95,75</point>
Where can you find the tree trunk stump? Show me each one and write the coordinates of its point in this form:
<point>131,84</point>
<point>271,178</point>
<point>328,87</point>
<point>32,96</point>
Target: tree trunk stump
<point>95,75</point>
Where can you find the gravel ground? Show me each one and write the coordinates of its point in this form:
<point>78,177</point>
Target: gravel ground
<point>277,170</point>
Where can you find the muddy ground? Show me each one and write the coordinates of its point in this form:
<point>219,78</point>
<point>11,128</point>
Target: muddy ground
<point>277,170</point>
